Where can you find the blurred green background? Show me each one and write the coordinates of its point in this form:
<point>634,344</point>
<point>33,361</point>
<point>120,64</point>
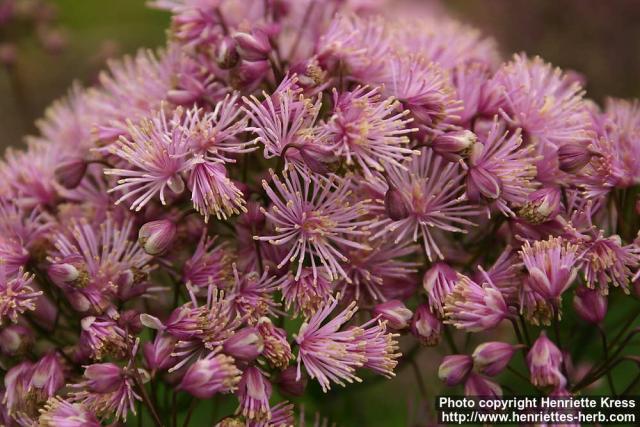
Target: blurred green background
<point>600,39</point>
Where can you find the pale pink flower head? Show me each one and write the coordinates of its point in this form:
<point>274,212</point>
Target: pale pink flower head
<point>252,294</point>
<point>107,390</point>
<point>551,265</point>
<point>545,363</point>
<point>500,170</point>
<point>433,190</point>
<point>212,192</point>
<point>61,413</point>
<point>216,373</point>
<point>305,294</point>
<point>16,295</point>
<point>312,215</point>
<point>328,353</point>
<point>254,392</point>
<point>423,88</point>
<point>209,264</point>
<point>608,262</point>
<point>381,347</point>
<point>286,124</point>
<point>475,307</point>
<point>153,159</point>
<point>368,131</point>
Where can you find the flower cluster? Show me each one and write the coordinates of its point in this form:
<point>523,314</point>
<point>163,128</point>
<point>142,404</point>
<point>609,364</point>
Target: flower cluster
<point>250,212</point>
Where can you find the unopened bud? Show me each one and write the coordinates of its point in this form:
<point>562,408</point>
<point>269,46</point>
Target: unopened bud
<point>454,145</point>
<point>176,184</point>
<point>289,382</point>
<point>246,344</point>
<point>227,53</point>
<point>155,237</point>
<point>491,358</point>
<point>454,369</point>
<point>395,205</point>
<point>590,304</point>
<point>69,174</point>
<point>395,313</point>
<point>573,156</point>
<point>254,46</point>
<point>426,326</point>
<point>542,205</point>
<point>63,273</point>
<point>477,385</point>
<point>103,377</point>
<point>482,183</point>
<point>15,340</point>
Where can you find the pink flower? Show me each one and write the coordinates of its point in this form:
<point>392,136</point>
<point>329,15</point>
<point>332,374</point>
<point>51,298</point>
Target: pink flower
<point>209,264</point>
<point>328,354</point>
<point>367,131</point>
<point>246,344</point>
<point>434,192</point>
<point>154,156</point>
<point>252,294</point>
<point>551,265</point>
<point>213,374</point>
<point>212,192</point>
<point>16,295</point>
<point>454,369</point>
<point>490,358</point>
<point>305,294</point>
<point>426,326</point>
<point>590,304</point>
<point>477,385</point>
<point>62,413</point>
<point>475,307</point>
<point>277,350</point>
<point>312,215</point>
<point>545,363</point>
<point>102,336</point>
<point>438,282</point>
<point>254,391</point>
<point>500,171</point>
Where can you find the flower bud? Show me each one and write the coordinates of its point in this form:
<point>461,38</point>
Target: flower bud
<point>210,375</point>
<point>155,237</point>
<point>542,205</point>
<point>8,54</point>
<point>454,369</point>
<point>395,313</point>
<point>395,205</point>
<point>454,145</point>
<point>47,376</point>
<point>573,156</point>
<point>290,384</point>
<point>176,184</point>
<point>246,344</point>
<point>103,377</point>
<point>227,55</point>
<point>477,385</point>
<point>545,362</point>
<point>277,350</point>
<point>313,162</point>
<point>590,304</point>
<point>158,354</point>
<point>63,273</point>
<point>15,340</point>
<point>254,46</point>
<point>482,184</point>
<point>426,326</point>
<point>69,173</point>
<point>129,320</point>
<point>491,358</point>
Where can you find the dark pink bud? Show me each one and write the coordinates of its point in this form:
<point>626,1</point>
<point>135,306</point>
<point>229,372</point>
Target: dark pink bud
<point>155,237</point>
<point>545,363</point>
<point>491,358</point>
<point>290,384</point>
<point>8,54</point>
<point>250,73</point>
<point>47,376</point>
<point>542,205</point>
<point>254,46</point>
<point>426,326</point>
<point>158,354</point>
<point>64,273</point>
<point>395,205</point>
<point>573,156</point>
<point>395,313</point>
<point>103,377</point>
<point>129,320</point>
<point>313,162</point>
<point>590,304</point>
<point>227,55</point>
<point>69,173</point>
<point>213,374</point>
<point>455,368</point>
<point>482,184</point>
<point>15,340</point>
<point>246,344</point>
<point>477,385</point>
<point>454,145</point>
